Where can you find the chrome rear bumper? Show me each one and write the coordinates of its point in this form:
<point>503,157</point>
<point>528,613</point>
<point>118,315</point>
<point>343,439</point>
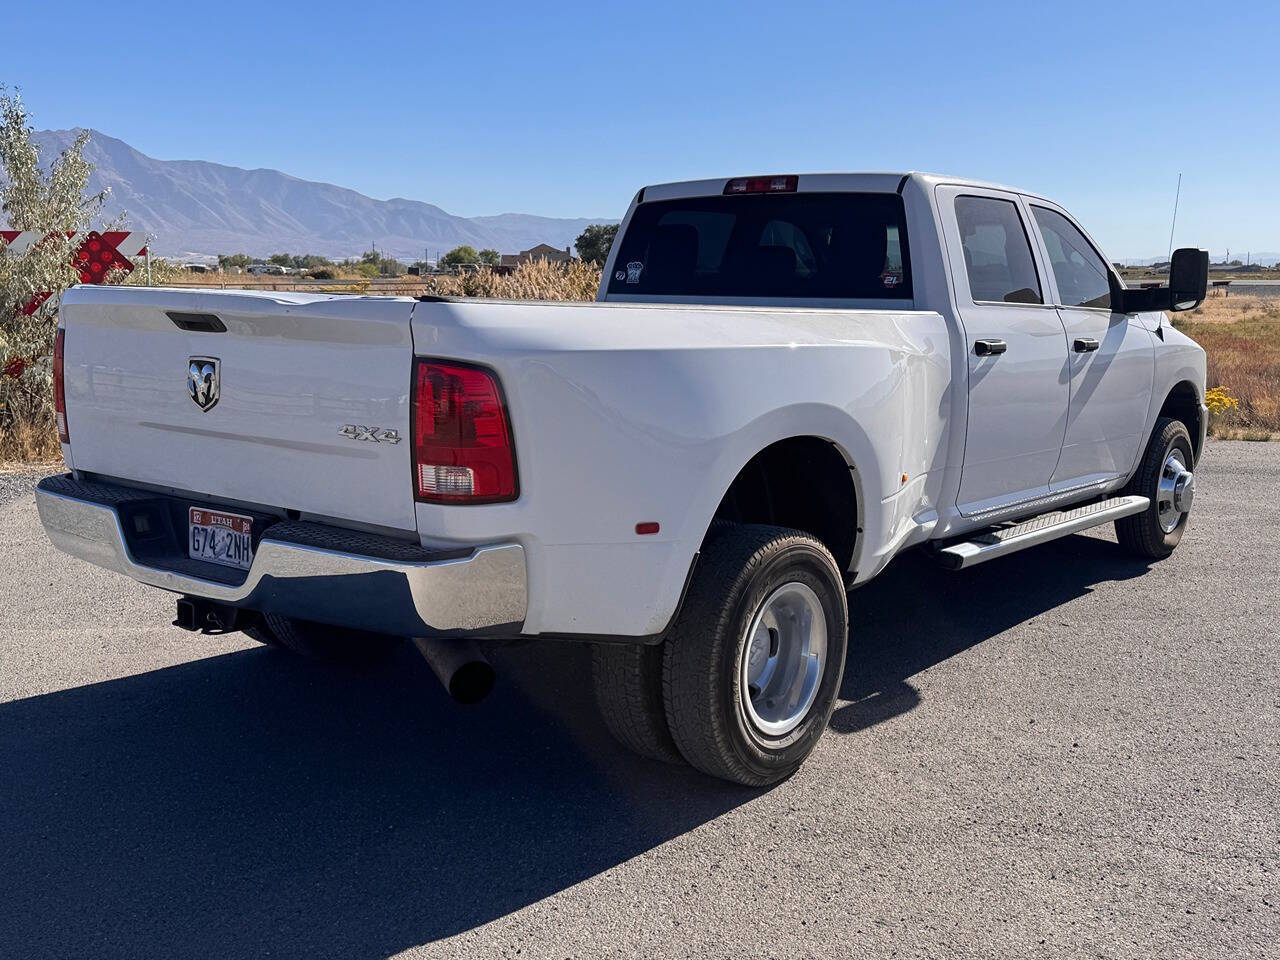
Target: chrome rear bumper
<point>374,583</point>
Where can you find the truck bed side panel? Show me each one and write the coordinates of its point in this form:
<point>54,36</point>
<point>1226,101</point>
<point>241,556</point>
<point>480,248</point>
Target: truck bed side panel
<point>625,414</point>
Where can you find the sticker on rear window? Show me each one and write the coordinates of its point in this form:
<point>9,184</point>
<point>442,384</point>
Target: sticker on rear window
<point>634,269</point>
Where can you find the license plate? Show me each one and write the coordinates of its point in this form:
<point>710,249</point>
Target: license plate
<point>225,538</point>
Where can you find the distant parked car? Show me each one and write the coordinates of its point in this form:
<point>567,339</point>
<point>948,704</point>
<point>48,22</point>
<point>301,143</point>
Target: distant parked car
<point>267,268</point>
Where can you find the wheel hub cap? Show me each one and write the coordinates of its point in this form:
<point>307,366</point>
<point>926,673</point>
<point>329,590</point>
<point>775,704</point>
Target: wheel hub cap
<point>1176,491</point>
<point>783,659</point>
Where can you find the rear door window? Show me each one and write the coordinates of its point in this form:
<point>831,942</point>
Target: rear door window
<point>997,252</point>
<point>775,246</point>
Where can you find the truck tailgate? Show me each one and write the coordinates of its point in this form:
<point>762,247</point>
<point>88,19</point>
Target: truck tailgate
<point>292,372</point>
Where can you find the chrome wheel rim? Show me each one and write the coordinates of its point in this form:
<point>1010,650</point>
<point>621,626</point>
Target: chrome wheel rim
<point>1175,491</point>
<point>783,659</point>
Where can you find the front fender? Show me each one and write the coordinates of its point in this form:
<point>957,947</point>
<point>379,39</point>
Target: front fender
<point>1179,359</point>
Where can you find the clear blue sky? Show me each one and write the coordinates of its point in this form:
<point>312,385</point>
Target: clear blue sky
<point>565,110</point>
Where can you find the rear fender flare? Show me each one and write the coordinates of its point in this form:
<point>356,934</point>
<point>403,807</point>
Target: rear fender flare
<point>802,420</point>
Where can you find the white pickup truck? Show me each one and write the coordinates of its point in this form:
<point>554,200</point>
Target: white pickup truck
<point>786,381</point>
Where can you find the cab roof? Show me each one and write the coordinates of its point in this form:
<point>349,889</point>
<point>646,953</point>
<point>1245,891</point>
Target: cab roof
<point>870,182</point>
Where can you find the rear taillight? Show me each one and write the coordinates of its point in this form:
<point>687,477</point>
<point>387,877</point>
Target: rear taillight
<point>787,184</point>
<point>59,392</point>
<point>462,446</point>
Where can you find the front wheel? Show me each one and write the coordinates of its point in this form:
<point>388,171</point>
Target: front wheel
<point>1165,477</point>
<point>754,662</point>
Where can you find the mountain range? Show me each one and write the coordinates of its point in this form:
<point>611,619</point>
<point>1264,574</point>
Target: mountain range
<point>196,208</point>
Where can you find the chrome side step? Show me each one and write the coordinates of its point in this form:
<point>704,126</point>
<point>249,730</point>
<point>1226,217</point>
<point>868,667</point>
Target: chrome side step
<point>999,541</point>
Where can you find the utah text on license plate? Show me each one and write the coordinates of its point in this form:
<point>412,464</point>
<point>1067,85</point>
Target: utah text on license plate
<point>225,538</point>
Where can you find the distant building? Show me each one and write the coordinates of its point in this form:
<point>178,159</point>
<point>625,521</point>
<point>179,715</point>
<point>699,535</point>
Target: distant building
<point>543,251</point>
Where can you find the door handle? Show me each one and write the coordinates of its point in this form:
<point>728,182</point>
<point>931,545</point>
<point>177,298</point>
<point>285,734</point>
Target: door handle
<point>1086,345</point>
<point>989,348</point>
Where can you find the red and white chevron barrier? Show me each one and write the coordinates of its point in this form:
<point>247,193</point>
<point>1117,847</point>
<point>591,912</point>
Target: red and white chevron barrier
<point>127,243</point>
<point>97,256</point>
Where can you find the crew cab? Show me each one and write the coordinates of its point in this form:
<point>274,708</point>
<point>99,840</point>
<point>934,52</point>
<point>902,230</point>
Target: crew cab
<point>786,381</point>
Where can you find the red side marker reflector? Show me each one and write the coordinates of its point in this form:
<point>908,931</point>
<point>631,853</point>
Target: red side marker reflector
<point>649,527</point>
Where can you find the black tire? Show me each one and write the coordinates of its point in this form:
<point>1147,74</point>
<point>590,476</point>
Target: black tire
<point>628,687</point>
<point>739,569</point>
<point>1142,534</point>
<point>260,632</point>
<point>320,641</point>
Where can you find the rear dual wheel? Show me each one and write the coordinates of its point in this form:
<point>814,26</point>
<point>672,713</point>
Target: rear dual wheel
<point>745,682</point>
<point>320,641</point>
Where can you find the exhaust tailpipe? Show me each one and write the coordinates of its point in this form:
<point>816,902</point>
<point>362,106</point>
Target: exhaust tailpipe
<point>460,665</point>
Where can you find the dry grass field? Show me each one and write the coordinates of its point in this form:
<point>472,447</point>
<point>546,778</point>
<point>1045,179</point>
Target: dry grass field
<point>1241,335</point>
<point>28,445</point>
<point>539,280</point>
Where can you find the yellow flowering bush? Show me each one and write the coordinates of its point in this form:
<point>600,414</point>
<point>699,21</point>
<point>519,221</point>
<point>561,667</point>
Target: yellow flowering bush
<point>1219,400</point>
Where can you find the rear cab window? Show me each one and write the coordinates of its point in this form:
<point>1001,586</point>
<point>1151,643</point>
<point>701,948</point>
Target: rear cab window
<point>828,246</point>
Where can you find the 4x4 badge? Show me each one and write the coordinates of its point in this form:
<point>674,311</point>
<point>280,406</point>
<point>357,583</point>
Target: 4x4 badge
<point>354,431</point>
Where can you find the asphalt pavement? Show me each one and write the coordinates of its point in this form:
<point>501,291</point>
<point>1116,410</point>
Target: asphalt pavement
<point>1066,752</point>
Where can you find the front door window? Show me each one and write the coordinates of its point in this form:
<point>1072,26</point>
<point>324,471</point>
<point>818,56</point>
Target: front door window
<point>1080,273</point>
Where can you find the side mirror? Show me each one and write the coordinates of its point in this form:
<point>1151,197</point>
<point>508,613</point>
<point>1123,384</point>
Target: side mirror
<point>1188,278</point>
<point>1188,284</point>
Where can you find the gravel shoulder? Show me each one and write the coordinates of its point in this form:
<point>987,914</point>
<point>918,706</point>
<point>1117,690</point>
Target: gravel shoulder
<point>19,481</point>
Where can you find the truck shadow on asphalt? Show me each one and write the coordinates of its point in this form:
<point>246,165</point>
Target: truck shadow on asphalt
<point>915,614</point>
<point>253,804</point>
